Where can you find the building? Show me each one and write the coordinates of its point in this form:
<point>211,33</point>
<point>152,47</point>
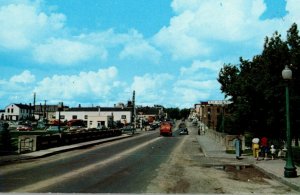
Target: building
<point>209,111</point>
<point>15,112</point>
<point>98,114</point>
<point>45,111</point>
<point>149,113</point>
<point>99,122</point>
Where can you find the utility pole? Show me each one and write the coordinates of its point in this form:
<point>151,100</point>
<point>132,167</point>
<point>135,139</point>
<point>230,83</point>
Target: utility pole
<point>34,99</point>
<point>44,114</point>
<point>133,115</point>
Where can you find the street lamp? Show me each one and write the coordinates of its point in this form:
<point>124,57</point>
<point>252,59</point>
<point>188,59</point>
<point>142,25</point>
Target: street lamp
<point>289,169</point>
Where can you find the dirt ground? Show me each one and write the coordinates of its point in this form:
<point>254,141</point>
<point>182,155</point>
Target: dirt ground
<point>189,171</point>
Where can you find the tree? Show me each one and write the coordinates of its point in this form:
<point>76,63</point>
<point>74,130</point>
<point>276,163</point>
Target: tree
<point>256,87</point>
<point>184,113</point>
<point>173,113</point>
<point>293,41</point>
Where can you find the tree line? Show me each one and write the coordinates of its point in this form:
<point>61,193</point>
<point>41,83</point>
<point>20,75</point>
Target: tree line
<point>257,89</point>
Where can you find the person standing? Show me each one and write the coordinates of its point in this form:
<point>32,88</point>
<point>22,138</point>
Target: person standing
<point>264,147</point>
<point>273,151</point>
<point>255,147</point>
<point>238,147</point>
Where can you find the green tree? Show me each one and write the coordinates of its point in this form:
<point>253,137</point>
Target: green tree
<point>256,87</point>
<point>173,113</point>
<point>293,41</point>
<point>184,113</point>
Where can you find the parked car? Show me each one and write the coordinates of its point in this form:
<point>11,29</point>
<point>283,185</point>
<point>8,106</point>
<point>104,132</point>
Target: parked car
<point>24,128</point>
<point>54,129</point>
<point>128,128</point>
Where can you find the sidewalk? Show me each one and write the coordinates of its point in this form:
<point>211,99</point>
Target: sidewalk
<point>272,168</point>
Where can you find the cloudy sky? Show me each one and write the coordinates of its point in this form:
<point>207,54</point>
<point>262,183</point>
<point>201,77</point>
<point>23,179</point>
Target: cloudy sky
<point>97,52</point>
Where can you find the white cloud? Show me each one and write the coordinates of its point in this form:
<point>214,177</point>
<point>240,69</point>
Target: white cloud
<point>293,7</point>
<point>198,82</point>
<point>152,87</point>
<point>25,77</point>
<point>17,89</point>
<point>90,85</point>
<point>201,28</point>
<point>133,44</point>
<point>140,50</point>
<point>180,6</point>
<point>66,52</point>
<point>22,24</point>
<point>189,96</point>
<point>198,66</point>
<point>177,40</point>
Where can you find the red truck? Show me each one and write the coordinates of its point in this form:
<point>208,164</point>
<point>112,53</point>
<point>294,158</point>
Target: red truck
<point>166,128</point>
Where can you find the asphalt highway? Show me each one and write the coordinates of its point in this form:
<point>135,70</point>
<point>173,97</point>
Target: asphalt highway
<point>123,166</point>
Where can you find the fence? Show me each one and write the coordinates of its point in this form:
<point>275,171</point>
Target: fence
<point>30,143</point>
<point>224,139</point>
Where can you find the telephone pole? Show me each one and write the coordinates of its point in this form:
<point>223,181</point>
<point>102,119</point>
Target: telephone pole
<point>133,115</point>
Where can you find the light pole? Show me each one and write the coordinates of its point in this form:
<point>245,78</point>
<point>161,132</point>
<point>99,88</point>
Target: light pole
<point>289,169</point>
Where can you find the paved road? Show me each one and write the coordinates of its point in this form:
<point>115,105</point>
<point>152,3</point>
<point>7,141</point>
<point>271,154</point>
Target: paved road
<point>140,164</point>
<point>113,167</point>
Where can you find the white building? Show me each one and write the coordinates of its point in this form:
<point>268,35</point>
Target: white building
<point>98,121</point>
<point>15,112</point>
<point>88,114</point>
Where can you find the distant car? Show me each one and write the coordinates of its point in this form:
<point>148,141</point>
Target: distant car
<point>183,129</point>
<point>128,128</point>
<point>154,125</point>
<point>54,129</point>
<point>24,128</point>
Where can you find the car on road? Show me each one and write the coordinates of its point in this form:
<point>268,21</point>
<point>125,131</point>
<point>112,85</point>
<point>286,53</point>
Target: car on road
<point>24,128</point>
<point>166,128</point>
<point>183,130</point>
<point>154,125</point>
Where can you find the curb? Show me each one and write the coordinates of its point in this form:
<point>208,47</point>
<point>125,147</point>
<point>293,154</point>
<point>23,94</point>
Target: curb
<point>278,178</point>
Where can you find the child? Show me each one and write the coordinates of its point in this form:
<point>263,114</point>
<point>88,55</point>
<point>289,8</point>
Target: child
<point>273,151</point>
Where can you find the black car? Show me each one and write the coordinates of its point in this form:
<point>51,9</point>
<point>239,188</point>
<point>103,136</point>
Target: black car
<point>183,129</point>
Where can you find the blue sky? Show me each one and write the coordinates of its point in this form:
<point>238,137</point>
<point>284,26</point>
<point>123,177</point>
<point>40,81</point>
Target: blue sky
<point>97,52</point>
